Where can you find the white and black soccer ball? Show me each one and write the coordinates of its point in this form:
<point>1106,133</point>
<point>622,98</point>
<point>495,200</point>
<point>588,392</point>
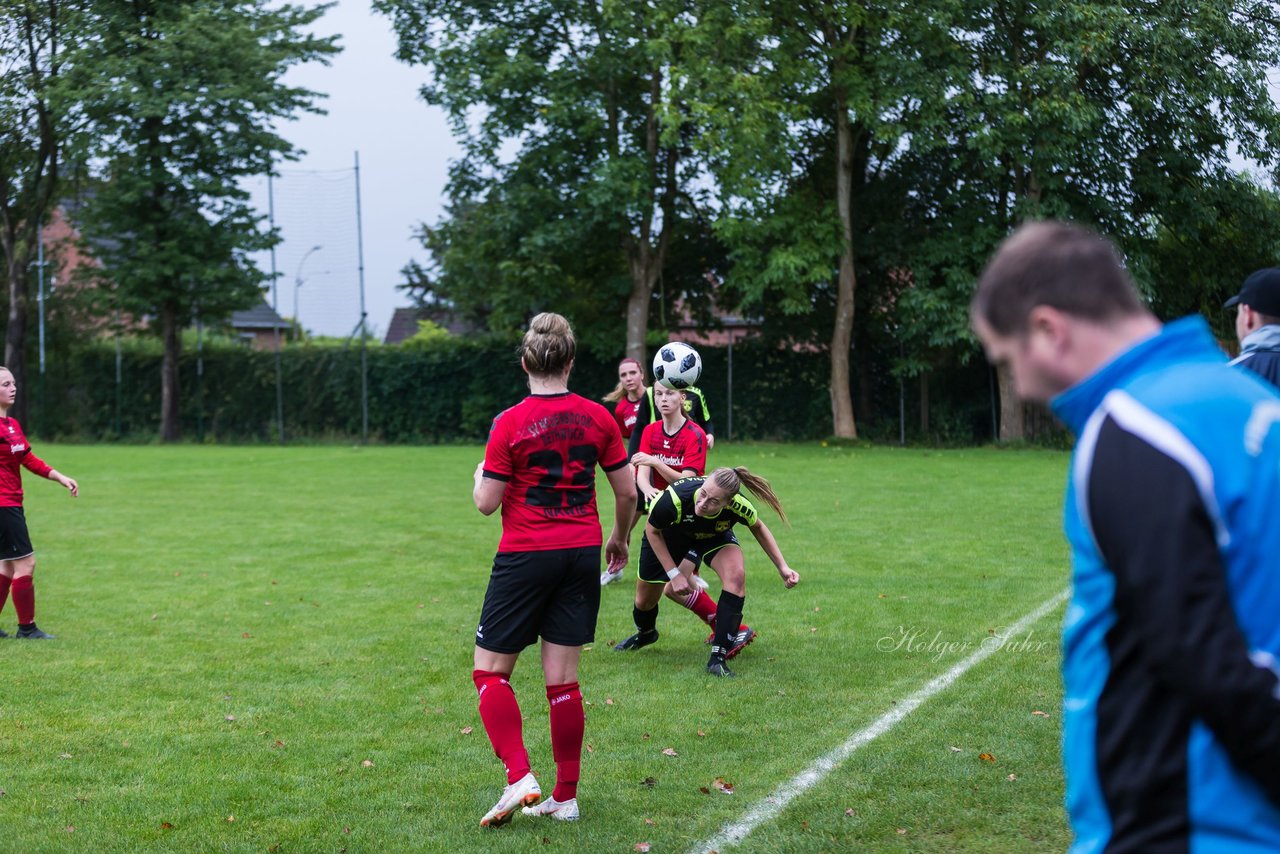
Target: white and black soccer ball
<point>677,365</point>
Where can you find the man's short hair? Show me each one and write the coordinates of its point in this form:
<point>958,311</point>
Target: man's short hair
<point>1055,264</point>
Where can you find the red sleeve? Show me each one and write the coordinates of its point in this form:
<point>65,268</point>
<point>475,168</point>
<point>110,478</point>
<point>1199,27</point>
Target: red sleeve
<point>613,454</point>
<point>696,458</point>
<point>35,465</point>
<point>497,451</point>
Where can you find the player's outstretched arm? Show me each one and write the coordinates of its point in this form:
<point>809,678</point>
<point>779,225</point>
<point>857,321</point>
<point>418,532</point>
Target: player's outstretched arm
<point>790,578</point>
<point>68,482</point>
<point>616,550</point>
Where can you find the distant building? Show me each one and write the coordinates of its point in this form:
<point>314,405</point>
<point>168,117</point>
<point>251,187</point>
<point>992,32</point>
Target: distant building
<point>404,323</point>
<point>729,329</point>
<point>260,327</point>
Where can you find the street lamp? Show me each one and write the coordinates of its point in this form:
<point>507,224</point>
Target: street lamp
<point>297,283</point>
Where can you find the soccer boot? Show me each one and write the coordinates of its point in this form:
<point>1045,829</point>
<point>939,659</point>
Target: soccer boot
<point>3,633</point>
<point>608,577</point>
<point>33,633</point>
<point>636,641</point>
<point>521,793</point>
<point>559,810</point>
<point>744,636</point>
<point>717,667</point>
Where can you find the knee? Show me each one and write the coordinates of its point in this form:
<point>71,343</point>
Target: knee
<point>735,581</point>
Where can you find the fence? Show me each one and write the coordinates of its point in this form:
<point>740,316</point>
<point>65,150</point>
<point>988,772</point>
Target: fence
<point>451,390</point>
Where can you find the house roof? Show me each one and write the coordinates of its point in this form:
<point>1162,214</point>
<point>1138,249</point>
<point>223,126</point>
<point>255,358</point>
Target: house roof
<point>261,316</point>
<point>404,323</point>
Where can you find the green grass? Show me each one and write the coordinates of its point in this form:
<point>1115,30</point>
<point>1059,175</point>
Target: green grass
<point>265,649</point>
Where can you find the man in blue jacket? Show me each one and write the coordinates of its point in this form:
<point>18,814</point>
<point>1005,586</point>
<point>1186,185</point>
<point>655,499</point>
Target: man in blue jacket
<point>1258,324</point>
<point>1171,724</point>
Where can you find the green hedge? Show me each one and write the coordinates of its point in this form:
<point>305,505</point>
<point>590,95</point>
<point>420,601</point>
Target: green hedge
<point>446,392</point>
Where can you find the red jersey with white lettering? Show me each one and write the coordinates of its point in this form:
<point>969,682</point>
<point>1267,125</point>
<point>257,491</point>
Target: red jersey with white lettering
<point>625,414</point>
<point>686,449</point>
<point>546,449</point>
<point>15,451</point>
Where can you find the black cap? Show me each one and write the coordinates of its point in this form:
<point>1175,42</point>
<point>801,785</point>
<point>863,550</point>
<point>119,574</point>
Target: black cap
<point>1261,292</point>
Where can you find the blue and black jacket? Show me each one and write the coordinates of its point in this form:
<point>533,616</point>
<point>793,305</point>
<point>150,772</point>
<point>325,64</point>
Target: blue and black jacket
<point>1172,690</point>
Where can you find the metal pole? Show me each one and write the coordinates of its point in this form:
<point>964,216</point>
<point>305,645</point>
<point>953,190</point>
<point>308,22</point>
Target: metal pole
<point>119,375</point>
<point>40,292</point>
<point>995,418</point>
<point>275,307</point>
<point>364,349</point>
<point>40,300</point>
<point>902,404</point>
<point>728,431</point>
<point>199,377</point>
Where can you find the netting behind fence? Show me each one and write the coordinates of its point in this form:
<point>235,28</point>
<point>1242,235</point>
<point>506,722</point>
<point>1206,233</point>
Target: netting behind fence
<point>317,262</point>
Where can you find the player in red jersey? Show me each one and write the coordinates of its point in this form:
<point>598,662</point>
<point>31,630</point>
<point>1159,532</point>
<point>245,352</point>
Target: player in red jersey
<point>671,448</point>
<point>17,557</point>
<point>629,395</point>
<point>539,467</point>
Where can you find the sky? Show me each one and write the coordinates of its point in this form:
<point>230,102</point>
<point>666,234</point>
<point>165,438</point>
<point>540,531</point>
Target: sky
<point>373,107</point>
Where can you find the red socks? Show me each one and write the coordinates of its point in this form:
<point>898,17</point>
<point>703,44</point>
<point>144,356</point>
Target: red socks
<point>500,714</point>
<point>703,605</point>
<point>24,599</point>
<point>4,590</point>
<point>568,720</point>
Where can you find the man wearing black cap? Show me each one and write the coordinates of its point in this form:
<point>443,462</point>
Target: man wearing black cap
<point>1258,324</point>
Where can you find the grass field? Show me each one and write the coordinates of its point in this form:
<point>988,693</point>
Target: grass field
<point>265,649</point>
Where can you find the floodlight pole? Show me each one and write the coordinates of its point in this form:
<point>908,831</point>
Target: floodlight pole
<point>275,307</point>
<point>364,349</point>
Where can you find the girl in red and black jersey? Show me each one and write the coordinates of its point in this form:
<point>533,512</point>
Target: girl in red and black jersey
<point>17,557</point>
<point>539,467</point>
<point>629,395</point>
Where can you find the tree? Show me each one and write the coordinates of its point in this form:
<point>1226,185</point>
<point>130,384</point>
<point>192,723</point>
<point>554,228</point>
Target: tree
<point>576,181</point>
<point>35,125</point>
<point>807,104</point>
<point>1119,114</point>
<point>185,98</point>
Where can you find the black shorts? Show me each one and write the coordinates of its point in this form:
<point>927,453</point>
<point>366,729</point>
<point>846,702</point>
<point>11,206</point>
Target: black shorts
<point>553,594</point>
<point>652,571</point>
<point>15,542</point>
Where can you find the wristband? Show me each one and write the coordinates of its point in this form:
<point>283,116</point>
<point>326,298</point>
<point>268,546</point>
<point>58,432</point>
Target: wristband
<point>672,573</point>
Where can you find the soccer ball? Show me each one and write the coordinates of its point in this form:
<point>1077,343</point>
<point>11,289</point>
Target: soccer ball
<point>677,365</point>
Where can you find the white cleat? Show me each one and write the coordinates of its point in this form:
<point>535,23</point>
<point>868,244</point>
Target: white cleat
<point>560,811</point>
<point>521,793</point>
<point>608,577</point>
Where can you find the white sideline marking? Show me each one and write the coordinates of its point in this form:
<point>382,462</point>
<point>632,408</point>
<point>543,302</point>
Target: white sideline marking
<point>776,802</point>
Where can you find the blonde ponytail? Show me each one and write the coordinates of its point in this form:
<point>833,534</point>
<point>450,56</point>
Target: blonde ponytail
<point>733,479</point>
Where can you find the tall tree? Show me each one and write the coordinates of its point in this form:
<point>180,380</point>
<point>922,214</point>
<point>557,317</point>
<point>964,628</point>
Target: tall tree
<point>35,124</point>
<point>574,141</point>
<point>185,104</point>
<point>1122,114</point>
<point>806,105</point>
